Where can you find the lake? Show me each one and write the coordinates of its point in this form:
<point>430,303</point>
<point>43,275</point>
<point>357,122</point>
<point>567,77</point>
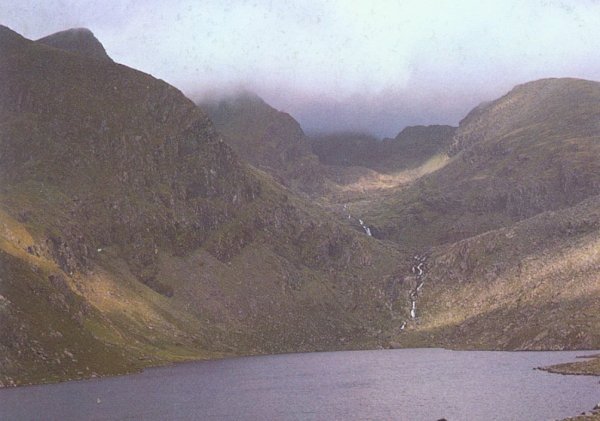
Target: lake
<point>406,384</point>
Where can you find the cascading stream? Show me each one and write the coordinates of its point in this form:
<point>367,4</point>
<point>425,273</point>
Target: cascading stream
<point>362,224</point>
<point>418,270</point>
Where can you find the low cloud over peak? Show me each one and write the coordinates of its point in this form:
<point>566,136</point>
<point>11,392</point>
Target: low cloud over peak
<point>338,65</point>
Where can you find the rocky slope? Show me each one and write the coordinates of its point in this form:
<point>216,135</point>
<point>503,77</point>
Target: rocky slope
<point>268,139</point>
<point>533,285</point>
<point>131,234</point>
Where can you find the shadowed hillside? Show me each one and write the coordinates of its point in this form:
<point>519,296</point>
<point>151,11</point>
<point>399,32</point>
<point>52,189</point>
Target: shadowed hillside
<point>268,139</point>
<point>411,148</point>
<point>131,234</point>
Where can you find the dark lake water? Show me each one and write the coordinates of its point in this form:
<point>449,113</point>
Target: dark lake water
<point>410,384</point>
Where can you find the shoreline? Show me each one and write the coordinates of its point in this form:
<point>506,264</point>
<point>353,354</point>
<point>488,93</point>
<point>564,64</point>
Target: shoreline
<point>589,367</point>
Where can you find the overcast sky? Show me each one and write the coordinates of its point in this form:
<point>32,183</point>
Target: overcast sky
<point>375,66</point>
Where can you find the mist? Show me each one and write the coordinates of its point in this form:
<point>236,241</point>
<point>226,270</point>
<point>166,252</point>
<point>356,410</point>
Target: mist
<point>338,65</point>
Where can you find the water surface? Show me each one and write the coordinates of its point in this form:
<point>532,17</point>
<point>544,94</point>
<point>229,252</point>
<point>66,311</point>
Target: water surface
<point>409,384</point>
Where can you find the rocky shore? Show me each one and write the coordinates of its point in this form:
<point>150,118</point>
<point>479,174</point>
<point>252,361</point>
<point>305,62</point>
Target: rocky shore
<point>588,367</point>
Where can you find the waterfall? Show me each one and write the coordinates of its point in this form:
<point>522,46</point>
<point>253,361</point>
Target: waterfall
<point>364,226</point>
<point>418,270</point>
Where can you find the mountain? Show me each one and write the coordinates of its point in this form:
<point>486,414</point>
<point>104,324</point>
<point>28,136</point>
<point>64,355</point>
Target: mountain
<point>77,40</point>
<point>412,147</point>
<point>132,235</point>
<point>503,227</point>
<point>268,139</point>
<point>510,224</point>
<point>346,149</point>
<point>533,150</point>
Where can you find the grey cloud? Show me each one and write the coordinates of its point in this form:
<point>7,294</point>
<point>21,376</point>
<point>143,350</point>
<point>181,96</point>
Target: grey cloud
<point>338,65</point>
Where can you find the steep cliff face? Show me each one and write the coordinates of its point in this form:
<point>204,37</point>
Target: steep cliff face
<point>131,234</point>
<point>530,151</point>
<point>77,40</point>
<point>269,139</point>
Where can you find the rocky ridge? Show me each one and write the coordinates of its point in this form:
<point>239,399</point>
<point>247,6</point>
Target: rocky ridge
<point>77,40</point>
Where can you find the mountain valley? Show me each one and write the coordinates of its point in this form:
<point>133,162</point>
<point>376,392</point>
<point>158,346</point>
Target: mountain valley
<point>138,228</point>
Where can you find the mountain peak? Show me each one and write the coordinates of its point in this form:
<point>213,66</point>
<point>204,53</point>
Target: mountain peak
<point>77,40</point>
<point>8,36</point>
<point>530,105</point>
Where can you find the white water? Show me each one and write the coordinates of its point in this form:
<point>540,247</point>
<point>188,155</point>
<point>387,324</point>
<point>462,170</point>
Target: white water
<point>362,224</point>
<point>420,269</point>
<point>415,269</point>
<point>419,272</point>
